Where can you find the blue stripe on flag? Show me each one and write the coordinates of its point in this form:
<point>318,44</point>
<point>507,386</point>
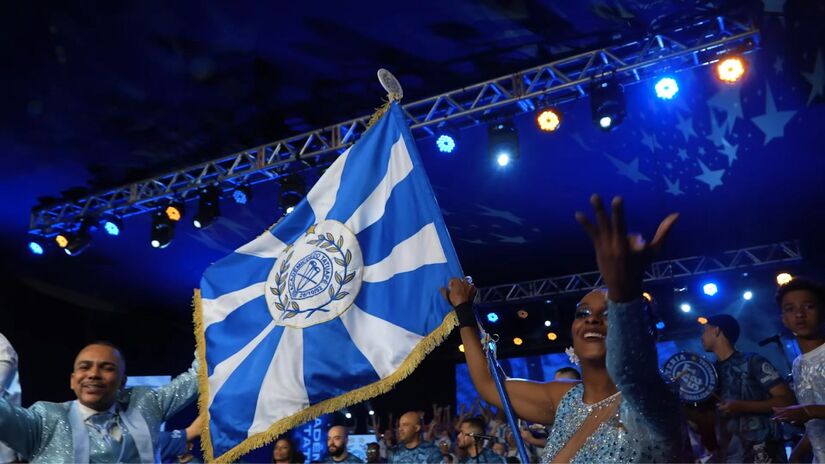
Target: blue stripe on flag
<point>333,365</point>
<point>225,338</point>
<point>235,272</point>
<point>295,224</point>
<point>366,166</point>
<point>423,184</point>
<point>232,414</point>
<point>423,311</point>
<point>401,220</point>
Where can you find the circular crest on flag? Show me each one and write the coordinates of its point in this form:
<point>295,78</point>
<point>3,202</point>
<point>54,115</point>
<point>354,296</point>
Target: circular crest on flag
<point>696,376</point>
<point>316,278</point>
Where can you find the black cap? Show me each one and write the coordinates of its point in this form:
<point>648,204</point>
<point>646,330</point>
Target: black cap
<point>727,324</point>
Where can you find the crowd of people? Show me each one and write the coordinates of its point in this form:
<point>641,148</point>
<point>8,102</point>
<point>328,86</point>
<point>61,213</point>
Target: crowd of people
<point>615,408</point>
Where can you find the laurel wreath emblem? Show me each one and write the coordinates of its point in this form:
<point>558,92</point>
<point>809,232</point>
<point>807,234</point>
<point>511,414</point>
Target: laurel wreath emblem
<point>290,308</point>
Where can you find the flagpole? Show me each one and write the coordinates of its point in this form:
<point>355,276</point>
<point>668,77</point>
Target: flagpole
<point>495,372</point>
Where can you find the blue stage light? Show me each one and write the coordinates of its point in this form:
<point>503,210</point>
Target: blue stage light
<point>685,307</point>
<point>748,295</point>
<point>660,325</point>
<point>445,143</point>
<point>503,159</point>
<point>605,122</point>
<point>666,88</point>
<point>111,227</point>
<point>36,248</point>
<point>710,289</point>
<point>492,317</point>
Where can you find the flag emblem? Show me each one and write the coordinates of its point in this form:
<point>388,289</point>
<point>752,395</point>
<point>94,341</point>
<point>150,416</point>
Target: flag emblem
<point>317,278</point>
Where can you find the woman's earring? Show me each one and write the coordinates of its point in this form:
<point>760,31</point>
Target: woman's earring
<point>571,354</point>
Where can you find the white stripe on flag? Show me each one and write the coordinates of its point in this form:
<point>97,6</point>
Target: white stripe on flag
<point>322,196</point>
<point>373,207</point>
<point>282,392</point>
<point>385,345</point>
<point>421,249</point>
<point>216,310</point>
<point>265,246</point>
<point>226,368</point>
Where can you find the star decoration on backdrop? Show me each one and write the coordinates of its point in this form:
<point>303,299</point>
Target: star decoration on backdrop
<point>717,131</point>
<point>629,170</point>
<point>773,122</point>
<point>507,239</point>
<point>728,100</point>
<point>711,177</point>
<point>729,151</point>
<point>501,214</point>
<point>673,187</point>
<point>777,64</point>
<point>686,127</point>
<point>649,140</point>
<point>683,154</point>
<point>816,78</point>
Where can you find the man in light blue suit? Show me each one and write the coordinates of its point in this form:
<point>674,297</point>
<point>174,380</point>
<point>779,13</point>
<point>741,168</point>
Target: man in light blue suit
<point>106,423</point>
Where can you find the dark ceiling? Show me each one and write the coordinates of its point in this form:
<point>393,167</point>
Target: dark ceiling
<point>100,94</point>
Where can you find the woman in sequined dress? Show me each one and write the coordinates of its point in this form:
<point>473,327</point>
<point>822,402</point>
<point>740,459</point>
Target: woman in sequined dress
<point>622,410</point>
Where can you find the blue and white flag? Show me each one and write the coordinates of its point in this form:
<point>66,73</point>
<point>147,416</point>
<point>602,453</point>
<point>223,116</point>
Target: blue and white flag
<point>334,305</point>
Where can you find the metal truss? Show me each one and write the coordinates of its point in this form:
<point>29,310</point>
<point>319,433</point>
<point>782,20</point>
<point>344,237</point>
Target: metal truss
<point>756,256</point>
<point>696,44</point>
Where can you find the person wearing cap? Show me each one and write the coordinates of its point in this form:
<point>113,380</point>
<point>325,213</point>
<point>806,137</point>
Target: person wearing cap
<point>749,388</point>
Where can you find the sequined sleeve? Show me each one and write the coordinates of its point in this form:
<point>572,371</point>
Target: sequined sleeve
<point>632,363</point>
<point>177,394</point>
<point>20,429</point>
<point>8,363</point>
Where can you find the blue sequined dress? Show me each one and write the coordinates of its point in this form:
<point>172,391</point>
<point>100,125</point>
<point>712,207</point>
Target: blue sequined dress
<point>648,426</point>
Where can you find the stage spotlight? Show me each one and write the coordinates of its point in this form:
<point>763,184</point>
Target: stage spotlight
<point>647,296</point>
<point>36,247</point>
<point>518,341</point>
<point>174,210</point>
<point>208,207</point>
<point>685,307</point>
<point>660,325</point>
<point>502,142</point>
<point>447,141</point>
<point>783,278</point>
<point>702,320</point>
<point>731,68</point>
<point>461,347</point>
<point>62,239</point>
<point>548,119</point>
<point>492,317</point>
<point>242,194</point>
<point>112,225</point>
<point>666,88</point>
<point>748,295</point>
<point>710,289</point>
<point>348,415</point>
<point>607,104</point>
<point>547,323</point>
<point>163,230</point>
<point>552,336</point>
<point>371,412</point>
<point>293,189</point>
<point>522,313</point>
<point>78,242</point>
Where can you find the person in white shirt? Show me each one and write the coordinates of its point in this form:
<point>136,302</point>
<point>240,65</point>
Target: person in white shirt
<point>802,302</point>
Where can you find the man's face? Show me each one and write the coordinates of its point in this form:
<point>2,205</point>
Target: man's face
<point>464,439</point>
<point>336,441</point>
<point>709,337</point>
<point>408,429</point>
<point>97,376</point>
<point>281,451</point>
<point>589,328</point>
<point>802,313</point>
<point>372,453</point>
